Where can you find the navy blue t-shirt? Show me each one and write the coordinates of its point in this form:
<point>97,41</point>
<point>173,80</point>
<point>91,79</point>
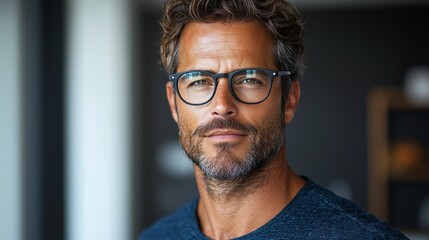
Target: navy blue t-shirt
<point>314,213</point>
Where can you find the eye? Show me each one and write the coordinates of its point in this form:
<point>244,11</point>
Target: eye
<point>248,83</point>
<point>195,81</point>
<point>251,81</point>
<point>200,83</point>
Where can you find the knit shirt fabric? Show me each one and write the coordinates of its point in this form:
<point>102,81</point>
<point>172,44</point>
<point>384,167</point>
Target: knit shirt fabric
<point>314,213</point>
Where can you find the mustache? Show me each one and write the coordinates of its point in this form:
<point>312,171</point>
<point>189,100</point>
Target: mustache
<point>224,123</point>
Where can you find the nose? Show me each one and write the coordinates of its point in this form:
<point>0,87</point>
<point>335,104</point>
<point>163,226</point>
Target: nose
<point>223,103</point>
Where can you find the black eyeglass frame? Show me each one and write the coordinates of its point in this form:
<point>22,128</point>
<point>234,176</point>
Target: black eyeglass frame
<point>272,74</point>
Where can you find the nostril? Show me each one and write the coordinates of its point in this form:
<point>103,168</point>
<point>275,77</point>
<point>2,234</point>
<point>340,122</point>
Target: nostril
<point>224,111</point>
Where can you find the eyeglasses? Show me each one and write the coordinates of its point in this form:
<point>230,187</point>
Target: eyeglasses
<point>249,85</point>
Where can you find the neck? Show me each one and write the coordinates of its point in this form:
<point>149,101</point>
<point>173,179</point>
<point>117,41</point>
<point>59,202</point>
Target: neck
<point>232,209</point>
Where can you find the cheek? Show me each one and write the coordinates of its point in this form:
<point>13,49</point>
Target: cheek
<point>269,109</point>
<point>189,115</point>
<point>276,91</point>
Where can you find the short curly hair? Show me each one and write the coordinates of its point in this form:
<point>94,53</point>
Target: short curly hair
<point>281,19</point>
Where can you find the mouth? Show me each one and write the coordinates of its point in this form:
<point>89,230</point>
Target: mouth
<point>225,135</point>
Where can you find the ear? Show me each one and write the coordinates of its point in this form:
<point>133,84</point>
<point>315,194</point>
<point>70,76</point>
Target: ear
<point>292,101</point>
<point>171,99</point>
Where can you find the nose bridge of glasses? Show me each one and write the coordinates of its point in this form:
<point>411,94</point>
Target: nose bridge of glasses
<point>217,76</point>
<point>222,88</point>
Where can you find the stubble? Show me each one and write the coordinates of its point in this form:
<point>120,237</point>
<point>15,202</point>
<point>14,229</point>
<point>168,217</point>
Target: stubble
<point>227,175</point>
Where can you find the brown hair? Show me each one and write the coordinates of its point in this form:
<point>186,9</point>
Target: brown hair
<point>280,18</point>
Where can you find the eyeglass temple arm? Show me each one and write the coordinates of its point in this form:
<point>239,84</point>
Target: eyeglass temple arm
<point>282,73</point>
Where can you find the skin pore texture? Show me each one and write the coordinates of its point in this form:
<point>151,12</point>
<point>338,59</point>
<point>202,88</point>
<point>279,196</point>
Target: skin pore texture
<point>238,149</point>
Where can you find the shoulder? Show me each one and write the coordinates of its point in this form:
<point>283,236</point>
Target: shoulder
<point>180,224</point>
<point>335,216</point>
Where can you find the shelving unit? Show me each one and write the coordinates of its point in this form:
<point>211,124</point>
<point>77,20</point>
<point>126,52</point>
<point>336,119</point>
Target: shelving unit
<point>398,163</point>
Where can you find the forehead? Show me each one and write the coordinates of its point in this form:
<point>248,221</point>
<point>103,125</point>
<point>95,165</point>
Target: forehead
<point>225,45</point>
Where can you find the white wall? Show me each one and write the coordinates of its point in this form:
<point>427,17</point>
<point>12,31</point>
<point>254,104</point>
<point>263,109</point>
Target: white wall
<point>10,121</point>
<point>98,117</point>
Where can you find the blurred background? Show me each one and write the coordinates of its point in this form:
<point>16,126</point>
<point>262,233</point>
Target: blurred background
<point>88,148</point>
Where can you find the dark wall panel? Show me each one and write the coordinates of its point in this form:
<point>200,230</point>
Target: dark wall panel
<point>44,46</point>
<point>349,52</point>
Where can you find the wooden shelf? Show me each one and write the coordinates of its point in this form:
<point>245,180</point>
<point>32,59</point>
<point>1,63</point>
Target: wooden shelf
<point>420,176</point>
<point>382,101</point>
<point>418,173</point>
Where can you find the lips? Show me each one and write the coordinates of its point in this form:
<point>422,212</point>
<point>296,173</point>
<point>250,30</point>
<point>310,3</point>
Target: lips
<point>225,134</point>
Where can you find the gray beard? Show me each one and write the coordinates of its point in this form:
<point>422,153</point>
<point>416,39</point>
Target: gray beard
<point>225,175</point>
<point>240,179</point>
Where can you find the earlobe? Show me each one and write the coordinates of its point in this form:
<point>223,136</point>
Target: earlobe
<point>292,101</point>
<point>171,99</point>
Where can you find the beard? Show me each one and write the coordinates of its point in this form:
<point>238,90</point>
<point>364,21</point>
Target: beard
<point>265,143</point>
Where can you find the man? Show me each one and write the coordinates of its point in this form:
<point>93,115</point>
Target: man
<point>233,85</point>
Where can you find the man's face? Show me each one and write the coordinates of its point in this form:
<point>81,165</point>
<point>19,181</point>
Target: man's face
<point>227,139</point>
